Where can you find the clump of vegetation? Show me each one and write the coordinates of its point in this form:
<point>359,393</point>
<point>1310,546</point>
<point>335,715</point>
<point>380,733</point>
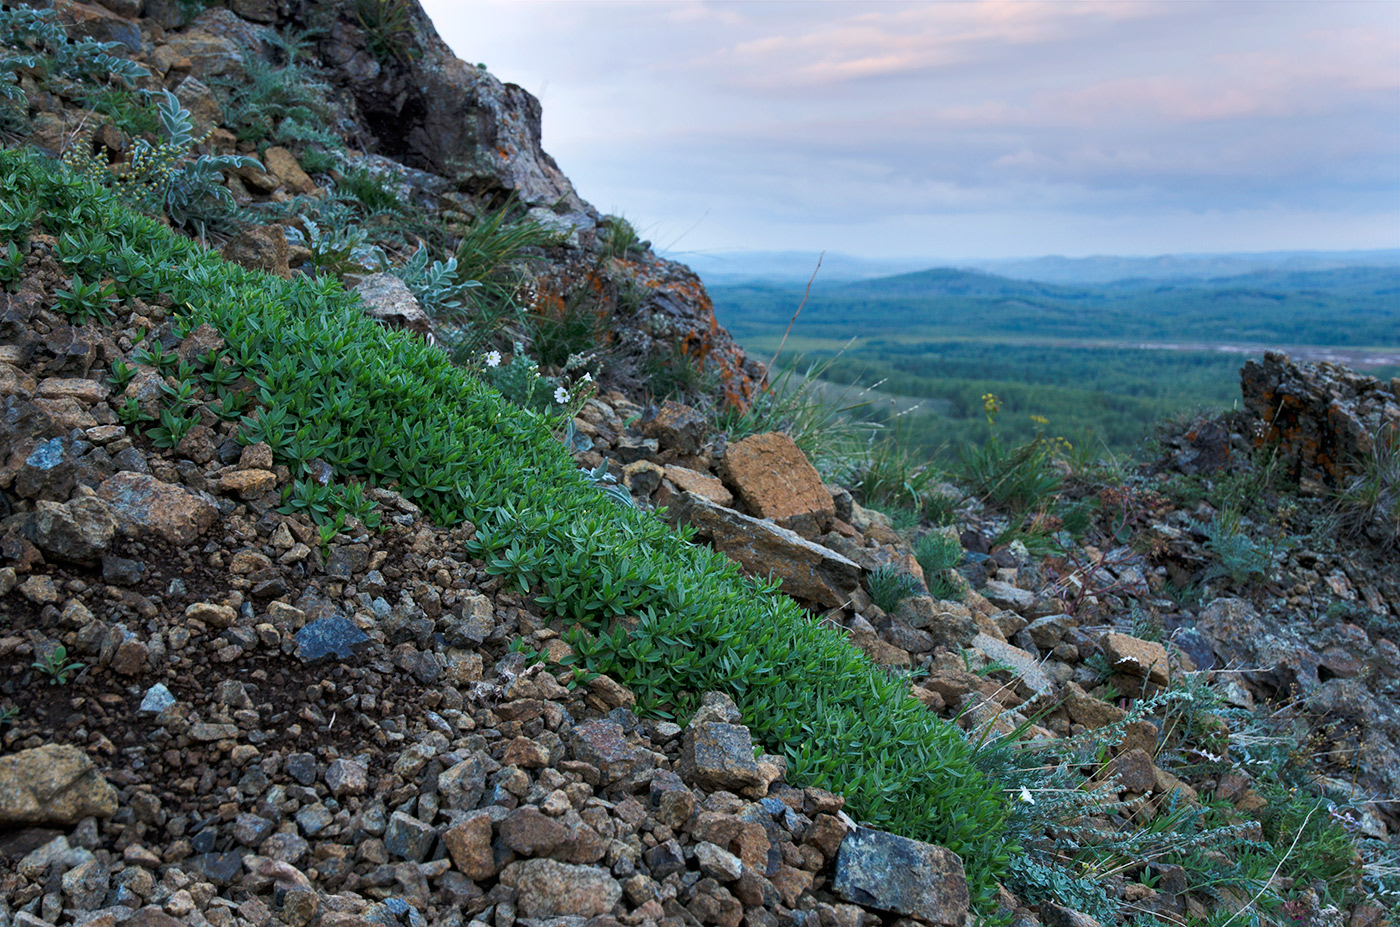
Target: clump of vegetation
<point>56,665</point>
<point>677,373</point>
<point>619,237</point>
<point>34,40</point>
<point>167,179</point>
<point>1020,478</point>
<point>1370,500</point>
<point>282,104</point>
<point>938,553</point>
<point>388,26</point>
<point>1238,555</point>
<point>889,586</point>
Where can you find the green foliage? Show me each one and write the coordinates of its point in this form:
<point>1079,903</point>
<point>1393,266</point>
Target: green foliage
<point>937,552</point>
<point>167,179</point>
<point>34,39</point>
<point>676,373</point>
<point>12,261</point>
<point>571,328</point>
<point>1017,478</point>
<point>282,104</point>
<point>382,407</point>
<point>889,586</point>
<point>337,251</point>
<point>56,665</point>
<point>618,237</point>
<point>371,191</point>
<point>439,289</point>
<point>1238,555</point>
<point>83,301</point>
<point>891,476</point>
<point>1369,501</point>
<point>130,110</point>
<point>388,26</point>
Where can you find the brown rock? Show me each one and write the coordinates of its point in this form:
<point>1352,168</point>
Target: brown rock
<point>529,833</point>
<point>53,784</point>
<point>1091,712</point>
<point>775,481</point>
<point>283,165</point>
<point>702,484</point>
<point>88,392</point>
<point>677,427</point>
<point>545,888</point>
<point>469,845</point>
<point>1134,770</point>
<point>146,505</point>
<point>1135,657</point>
<point>248,484</point>
<point>260,247</point>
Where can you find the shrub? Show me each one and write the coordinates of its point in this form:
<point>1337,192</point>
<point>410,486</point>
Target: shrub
<point>619,237</point>
<point>35,39</point>
<point>937,552</point>
<point>1237,555</point>
<point>381,406</point>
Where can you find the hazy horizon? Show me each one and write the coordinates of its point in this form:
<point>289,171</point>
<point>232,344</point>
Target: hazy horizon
<point>1000,129</point>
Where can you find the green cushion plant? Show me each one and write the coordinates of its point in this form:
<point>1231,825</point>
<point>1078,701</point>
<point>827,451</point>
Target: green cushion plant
<point>668,618</point>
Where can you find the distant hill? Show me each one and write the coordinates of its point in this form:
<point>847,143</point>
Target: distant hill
<point>1348,306</point>
<point>730,267</point>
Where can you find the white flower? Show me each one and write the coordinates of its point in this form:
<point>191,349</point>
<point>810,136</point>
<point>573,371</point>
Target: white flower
<point>493,359</point>
<point>587,377</point>
<point>1026,796</point>
<point>561,395</point>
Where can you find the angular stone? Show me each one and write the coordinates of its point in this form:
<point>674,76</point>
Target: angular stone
<point>947,623</point>
<point>89,392</point>
<point>808,571</point>
<point>462,786</point>
<point>776,481</point>
<point>51,470</point>
<point>677,427</point>
<point>145,505</point>
<point>1005,595</point>
<point>260,247</point>
<point>249,484</point>
<point>390,302</point>
<point>702,484</point>
<point>53,784</point>
<point>78,531</point>
<point>545,888</point>
<point>469,845</point>
<point>347,777</point>
<point>529,833</point>
<point>330,637</point>
<point>642,477</point>
<point>156,700</point>
<point>1135,657</point>
<point>283,165</point>
<point>604,744</point>
<point>408,838</point>
<point>903,876</point>
<point>720,757</point>
<point>1022,663</point>
<point>215,616</point>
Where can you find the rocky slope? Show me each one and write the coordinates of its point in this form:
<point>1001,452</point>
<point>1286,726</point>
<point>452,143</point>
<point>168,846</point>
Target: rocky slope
<point>220,717</point>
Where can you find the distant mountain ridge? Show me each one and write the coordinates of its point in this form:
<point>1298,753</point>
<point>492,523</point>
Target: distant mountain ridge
<point>731,267</point>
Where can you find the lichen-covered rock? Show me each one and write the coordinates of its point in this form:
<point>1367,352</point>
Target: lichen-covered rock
<point>390,302</point>
<point>546,888</point>
<point>143,504</point>
<point>1324,417</point>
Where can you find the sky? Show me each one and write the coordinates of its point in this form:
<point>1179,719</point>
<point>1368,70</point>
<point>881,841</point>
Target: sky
<point>964,129</point>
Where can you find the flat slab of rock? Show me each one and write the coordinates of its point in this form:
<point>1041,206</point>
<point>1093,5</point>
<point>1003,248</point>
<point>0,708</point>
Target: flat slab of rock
<point>776,481</point>
<point>903,876</point>
<point>144,504</point>
<point>1005,595</point>
<point>808,571</point>
<point>1024,665</point>
<point>53,784</point>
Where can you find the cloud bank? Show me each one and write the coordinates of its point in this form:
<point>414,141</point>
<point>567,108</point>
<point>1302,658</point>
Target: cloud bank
<point>950,130</point>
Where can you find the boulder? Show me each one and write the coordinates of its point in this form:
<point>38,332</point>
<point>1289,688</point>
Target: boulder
<point>808,571</point>
<point>390,302</point>
<point>283,165</point>
<point>1324,417</point>
<point>719,756</point>
<point>78,531</point>
<point>776,481</point>
<point>902,876</point>
<point>143,504</point>
<point>1135,657</point>
<point>55,784</point>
